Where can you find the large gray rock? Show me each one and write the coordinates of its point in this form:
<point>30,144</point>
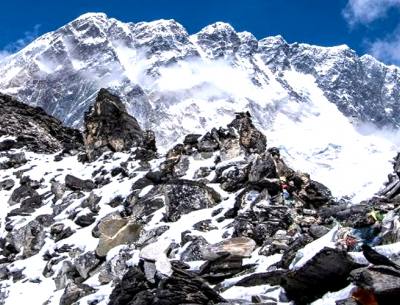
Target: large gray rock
<point>327,271</point>
<point>108,127</point>
<point>251,139</point>
<point>13,160</point>
<point>114,231</point>
<point>85,263</point>
<point>263,166</point>
<point>185,196</point>
<point>29,239</point>
<point>115,268</point>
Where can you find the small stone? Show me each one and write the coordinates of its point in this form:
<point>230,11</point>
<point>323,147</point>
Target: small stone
<point>7,184</point>
<point>86,220</point>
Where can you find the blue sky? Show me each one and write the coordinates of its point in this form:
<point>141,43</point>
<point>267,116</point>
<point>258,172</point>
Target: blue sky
<point>368,26</point>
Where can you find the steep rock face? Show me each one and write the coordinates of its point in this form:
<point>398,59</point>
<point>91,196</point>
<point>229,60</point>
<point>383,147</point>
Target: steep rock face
<point>109,127</point>
<point>32,128</point>
<point>361,87</point>
<point>62,70</point>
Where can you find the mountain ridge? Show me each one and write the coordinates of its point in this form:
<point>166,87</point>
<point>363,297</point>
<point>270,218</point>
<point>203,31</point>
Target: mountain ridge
<point>175,83</point>
<point>218,39</point>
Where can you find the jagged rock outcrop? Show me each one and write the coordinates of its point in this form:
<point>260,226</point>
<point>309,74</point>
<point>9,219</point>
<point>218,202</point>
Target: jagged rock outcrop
<point>108,127</point>
<point>33,129</point>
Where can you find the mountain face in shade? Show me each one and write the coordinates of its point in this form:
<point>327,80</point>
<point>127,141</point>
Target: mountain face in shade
<point>310,100</point>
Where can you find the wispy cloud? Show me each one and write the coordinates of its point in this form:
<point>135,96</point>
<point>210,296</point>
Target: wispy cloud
<point>367,11</point>
<point>387,48</point>
<point>17,45</point>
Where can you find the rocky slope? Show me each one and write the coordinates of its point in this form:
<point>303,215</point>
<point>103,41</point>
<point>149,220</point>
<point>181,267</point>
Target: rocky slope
<point>33,128</point>
<point>175,83</point>
<point>209,222</point>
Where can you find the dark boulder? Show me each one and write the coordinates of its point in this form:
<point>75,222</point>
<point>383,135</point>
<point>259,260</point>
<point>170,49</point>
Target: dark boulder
<point>185,196</point>
<point>272,278</point>
<point>232,176</point>
<point>191,139</point>
<point>58,232</point>
<point>28,205</point>
<point>193,252</point>
<point>316,194</point>
<point>294,246</point>
<point>209,142</point>
<point>7,145</point>
<point>86,263</point>
<point>76,184</point>
<point>262,167</point>
<point>250,137</point>
<point>22,192</point>
<point>262,224</point>
<point>85,220</point>
<point>182,287</point>
<point>108,127</point>
<point>224,267</point>
<point>327,271</point>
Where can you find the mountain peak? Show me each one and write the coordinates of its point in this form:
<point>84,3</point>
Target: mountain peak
<point>218,26</point>
<point>91,16</point>
<point>218,40</point>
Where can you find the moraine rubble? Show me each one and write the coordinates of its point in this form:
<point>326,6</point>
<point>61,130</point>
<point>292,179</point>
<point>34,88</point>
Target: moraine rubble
<point>102,218</point>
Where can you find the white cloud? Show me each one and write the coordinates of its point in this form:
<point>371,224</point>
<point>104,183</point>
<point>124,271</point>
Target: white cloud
<point>210,81</point>
<point>4,54</point>
<point>17,45</point>
<point>367,11</point>
<point>388,48</point>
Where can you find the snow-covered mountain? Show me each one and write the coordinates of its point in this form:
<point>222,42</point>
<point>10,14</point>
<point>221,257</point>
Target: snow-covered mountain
<point>320,104</point>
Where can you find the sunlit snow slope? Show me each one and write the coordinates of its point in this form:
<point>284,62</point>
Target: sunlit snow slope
<point>316,102</point>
